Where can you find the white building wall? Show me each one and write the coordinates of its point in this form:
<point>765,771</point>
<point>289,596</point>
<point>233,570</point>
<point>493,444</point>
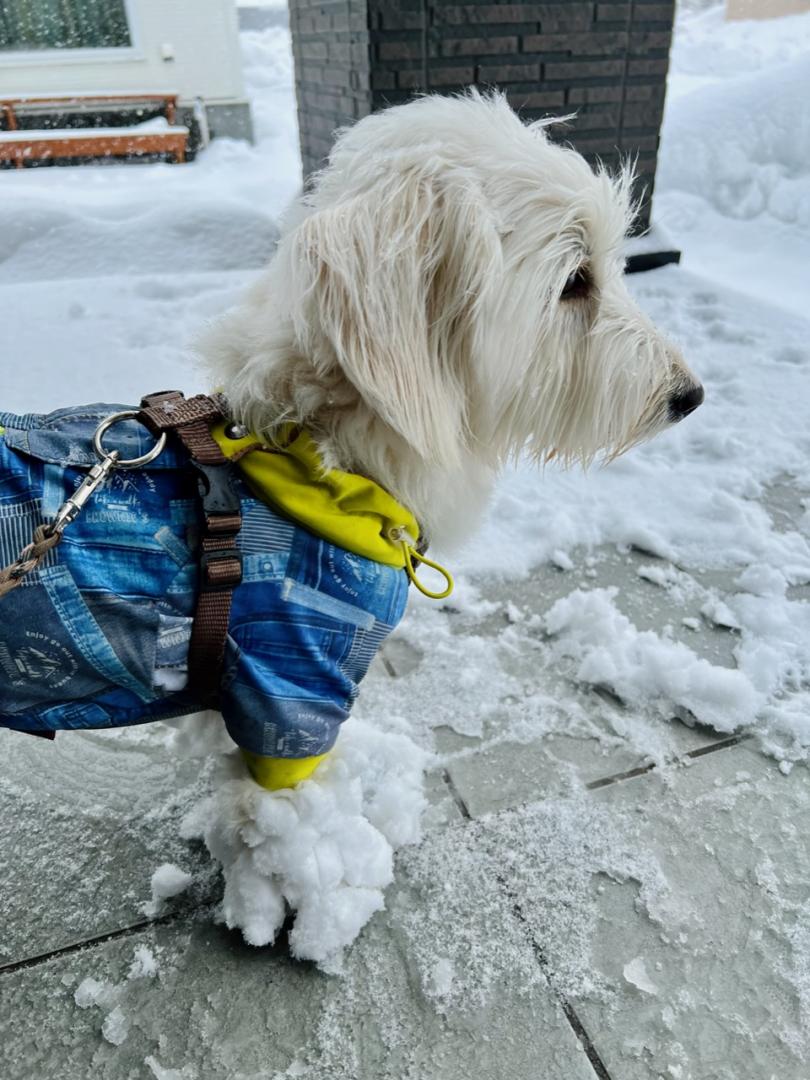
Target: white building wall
<point>189,47</point>
<point>765,9</point>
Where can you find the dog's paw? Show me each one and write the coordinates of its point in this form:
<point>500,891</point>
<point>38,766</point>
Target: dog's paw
<point>322,850</point>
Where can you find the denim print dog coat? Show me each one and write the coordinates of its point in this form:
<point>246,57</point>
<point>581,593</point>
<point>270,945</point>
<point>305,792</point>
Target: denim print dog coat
<point>98,635</point>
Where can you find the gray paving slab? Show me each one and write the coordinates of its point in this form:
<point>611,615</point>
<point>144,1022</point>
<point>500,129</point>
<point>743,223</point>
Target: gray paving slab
<point>214,1006</point>
<point>710,980</point>
<point>509,775</point>
<point>219,1010</point>
<point>443,808</point>
<point>84,821</point>
<point>500,770</point>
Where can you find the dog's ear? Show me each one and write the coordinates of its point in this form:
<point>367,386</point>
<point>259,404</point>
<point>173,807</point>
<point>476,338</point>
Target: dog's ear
<point>392,282</point>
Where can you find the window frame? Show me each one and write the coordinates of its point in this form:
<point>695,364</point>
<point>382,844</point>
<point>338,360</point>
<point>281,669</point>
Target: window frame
<point>107,54</point>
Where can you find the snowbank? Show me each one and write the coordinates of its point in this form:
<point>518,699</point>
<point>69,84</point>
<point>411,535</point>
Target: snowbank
<point>733,184</point>
<point>705,46</point>
<point>217,213</point>
<point>742,144</point>
<point>215,233</point>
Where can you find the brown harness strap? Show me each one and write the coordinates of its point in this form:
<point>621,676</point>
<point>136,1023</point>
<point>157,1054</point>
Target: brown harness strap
<point>220,559</point>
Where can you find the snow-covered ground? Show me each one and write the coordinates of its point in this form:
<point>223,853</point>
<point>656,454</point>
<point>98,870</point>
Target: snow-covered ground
<point>107,272</point>
<point>110,269</point>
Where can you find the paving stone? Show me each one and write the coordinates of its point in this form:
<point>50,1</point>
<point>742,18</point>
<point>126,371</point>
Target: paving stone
<point>219,1009</point>
<point>442,807</point>
<point>84,821</point>
<point>703,991</point>
<point>508,774</point>
<point>499,771</point>
<point>715,985</point>
<point>215,1005</point>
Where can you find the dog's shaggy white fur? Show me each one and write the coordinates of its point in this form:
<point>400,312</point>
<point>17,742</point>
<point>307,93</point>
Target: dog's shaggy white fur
<point>449,295</point>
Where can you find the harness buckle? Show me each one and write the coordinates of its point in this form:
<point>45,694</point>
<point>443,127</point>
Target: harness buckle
<point>214,575</point>
<point>217,489</point>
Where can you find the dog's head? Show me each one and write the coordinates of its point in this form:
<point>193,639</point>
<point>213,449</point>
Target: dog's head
<point>454,282</point>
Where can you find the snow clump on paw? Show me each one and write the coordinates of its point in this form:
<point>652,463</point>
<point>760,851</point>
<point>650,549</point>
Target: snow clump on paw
<point>323,849</point>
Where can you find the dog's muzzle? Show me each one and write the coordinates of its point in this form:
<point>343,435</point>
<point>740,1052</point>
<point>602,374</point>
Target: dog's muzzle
<point>685,402</point>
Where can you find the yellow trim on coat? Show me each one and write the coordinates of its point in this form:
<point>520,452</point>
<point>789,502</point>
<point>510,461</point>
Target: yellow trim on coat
<point>346,509</point>
<point>274,773</point>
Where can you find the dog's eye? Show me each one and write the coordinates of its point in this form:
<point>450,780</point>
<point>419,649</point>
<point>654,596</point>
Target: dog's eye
<point>577,284</point>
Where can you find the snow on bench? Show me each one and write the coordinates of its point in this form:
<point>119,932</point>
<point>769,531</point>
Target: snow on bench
<point>159,135</point>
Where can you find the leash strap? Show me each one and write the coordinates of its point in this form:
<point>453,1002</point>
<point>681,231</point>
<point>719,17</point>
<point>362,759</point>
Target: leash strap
<point>28,559</point>
<point>220,559</point>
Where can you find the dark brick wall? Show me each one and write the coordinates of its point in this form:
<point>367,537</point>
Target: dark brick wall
<point>333,70</point>
<point>605,59</point>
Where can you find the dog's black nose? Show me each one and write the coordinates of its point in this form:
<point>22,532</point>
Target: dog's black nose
<point>684,402</point>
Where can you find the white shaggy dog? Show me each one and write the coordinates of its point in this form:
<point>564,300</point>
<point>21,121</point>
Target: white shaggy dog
<point>450,295</point>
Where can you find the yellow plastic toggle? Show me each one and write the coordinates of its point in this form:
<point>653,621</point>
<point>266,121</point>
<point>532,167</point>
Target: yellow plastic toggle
<point>276,773</point>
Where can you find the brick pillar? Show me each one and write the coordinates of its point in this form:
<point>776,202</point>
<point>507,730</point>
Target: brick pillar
<point>605,59</point>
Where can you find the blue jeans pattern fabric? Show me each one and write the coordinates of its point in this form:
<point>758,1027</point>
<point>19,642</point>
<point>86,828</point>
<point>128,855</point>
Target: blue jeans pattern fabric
<point>98,635</point>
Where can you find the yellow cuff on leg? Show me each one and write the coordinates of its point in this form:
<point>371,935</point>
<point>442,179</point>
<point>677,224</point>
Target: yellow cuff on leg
<point>275,773</point>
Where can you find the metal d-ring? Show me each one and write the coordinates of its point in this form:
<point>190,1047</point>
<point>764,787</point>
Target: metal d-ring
<point>125,463</point>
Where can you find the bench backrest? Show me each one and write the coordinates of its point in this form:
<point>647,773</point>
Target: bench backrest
<point>87,99</point>
<point>9,105</point>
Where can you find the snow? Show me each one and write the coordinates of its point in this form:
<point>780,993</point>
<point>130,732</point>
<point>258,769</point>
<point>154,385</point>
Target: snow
<point>157,125</point>
<point>545,854</point>
<point>323,849</point>
<point>442,977</point>
<point>635,972</point>
<point>167,881</point>
<point>91,992</point>
<point>107,272</point>
<point>733,185</point>
<point>161,1073</point>
<point>115,1027</point>
<point>144,964</point>
<point>111,998</point>
<point>641,667</point>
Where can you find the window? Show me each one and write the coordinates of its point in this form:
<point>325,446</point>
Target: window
<point>28,25</point>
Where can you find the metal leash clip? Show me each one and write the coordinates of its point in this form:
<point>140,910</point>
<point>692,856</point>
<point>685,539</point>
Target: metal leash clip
<point>108,460</point>
<point>48,536</point>
<point>72,507</point>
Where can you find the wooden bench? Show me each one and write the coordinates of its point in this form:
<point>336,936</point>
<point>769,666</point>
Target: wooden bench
<point>22,145</point>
